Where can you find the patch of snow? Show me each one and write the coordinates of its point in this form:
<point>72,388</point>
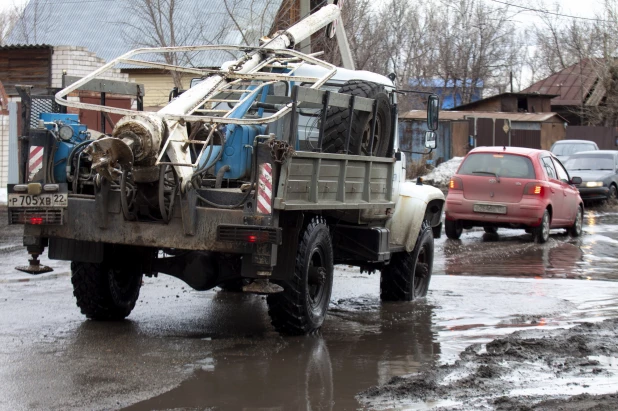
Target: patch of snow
<point>3,195</point>
<point>441,175</point>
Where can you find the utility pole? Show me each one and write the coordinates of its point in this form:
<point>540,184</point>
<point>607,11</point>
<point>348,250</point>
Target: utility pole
<point>305,9</point>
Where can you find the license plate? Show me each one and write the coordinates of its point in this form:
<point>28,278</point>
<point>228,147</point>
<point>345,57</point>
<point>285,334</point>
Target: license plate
<point>489,208</point>
<point>38,201</point>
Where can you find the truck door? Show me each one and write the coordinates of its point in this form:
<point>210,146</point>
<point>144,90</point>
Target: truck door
<point>556,191</point>
<point>569,192</point>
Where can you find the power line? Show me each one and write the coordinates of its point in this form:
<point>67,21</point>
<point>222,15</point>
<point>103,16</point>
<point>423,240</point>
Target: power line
<point>549,12</point>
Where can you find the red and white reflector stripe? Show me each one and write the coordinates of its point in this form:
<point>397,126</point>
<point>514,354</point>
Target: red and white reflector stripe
<point>265,189</point>
<point>35,162</point>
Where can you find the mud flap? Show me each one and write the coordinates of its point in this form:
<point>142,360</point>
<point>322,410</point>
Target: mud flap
<point>291,223</point>
<point>101,198</point>
<point>188,210</point>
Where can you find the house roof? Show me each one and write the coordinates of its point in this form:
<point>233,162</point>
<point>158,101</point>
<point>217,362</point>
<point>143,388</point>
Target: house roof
<point>24,46</point>
<point>463,107</point>
<point>110,28</point>
<point>463,115</point>
<point>573,84</point>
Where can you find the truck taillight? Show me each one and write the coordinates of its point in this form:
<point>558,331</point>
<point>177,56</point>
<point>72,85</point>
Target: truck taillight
<point>455,184</point>
<point>35,220</point>
<point>259,237</point>
<point>533,189</point>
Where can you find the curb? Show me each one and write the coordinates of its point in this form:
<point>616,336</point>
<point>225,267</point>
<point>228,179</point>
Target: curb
<point>32,278</point>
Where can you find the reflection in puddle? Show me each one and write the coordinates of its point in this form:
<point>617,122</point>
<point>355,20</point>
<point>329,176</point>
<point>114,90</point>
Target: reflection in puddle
<point>323,372</point>
<point>512,254</point>
<point>365,342</point>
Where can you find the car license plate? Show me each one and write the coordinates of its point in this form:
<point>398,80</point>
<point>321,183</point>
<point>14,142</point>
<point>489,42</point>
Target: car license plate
<point>38,201</point>
<point>489,208</point>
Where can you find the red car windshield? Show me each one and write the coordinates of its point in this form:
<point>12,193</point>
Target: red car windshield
<point>498,164</point>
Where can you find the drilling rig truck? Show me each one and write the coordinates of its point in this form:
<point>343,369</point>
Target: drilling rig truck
<point>260,178</point>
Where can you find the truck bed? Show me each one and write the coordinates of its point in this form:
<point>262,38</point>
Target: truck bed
<point>318,181</point>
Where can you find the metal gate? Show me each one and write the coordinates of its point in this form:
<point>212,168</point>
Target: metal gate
<point>605,137</point>
<point>526,138</point>
<point>484,132</point>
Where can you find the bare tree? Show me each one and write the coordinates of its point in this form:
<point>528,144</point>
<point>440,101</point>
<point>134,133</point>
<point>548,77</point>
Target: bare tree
<point>31,21</point>
<point>458,46</point>
<point>562,43</point>
<point>156,23</point>
<point>170,23</point>
<point>8,19</point>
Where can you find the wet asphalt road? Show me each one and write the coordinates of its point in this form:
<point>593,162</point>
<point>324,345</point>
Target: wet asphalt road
<point>217,350</point>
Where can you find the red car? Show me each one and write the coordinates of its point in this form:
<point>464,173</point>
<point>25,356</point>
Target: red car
<point>513,187</point>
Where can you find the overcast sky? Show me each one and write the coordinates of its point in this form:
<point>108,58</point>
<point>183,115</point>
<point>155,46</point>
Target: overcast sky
<point>585,8</point>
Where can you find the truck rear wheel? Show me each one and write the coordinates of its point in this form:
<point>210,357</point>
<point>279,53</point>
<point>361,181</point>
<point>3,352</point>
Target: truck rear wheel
<point>337,121</point>
<point>302,306</point>
<point>103,292</point>
<point>408,274</point>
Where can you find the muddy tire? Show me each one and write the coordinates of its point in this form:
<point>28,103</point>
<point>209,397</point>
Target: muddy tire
<point>407,276</point>
<point>540,234</point>
<point>302,306</point>
<point>490,230</point>
<point>453,229</point>
<point>105,293</point>
<point>576,229</point>
<point>337,120</point>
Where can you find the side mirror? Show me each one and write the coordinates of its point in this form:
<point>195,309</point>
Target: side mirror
<point>433,107</point>
<point>576,180</point>
<point>430,140</point>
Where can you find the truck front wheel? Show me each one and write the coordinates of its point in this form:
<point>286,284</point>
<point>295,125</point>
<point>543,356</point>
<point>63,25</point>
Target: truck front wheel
<point>103,292</point>
<point>408,274</point>
<point>302,306</point>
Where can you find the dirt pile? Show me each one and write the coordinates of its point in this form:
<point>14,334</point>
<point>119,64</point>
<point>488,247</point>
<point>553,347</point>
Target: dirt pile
<point>527,370</point>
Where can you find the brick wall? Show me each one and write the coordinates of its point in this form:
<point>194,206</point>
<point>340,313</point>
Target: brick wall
<point>79,62</point>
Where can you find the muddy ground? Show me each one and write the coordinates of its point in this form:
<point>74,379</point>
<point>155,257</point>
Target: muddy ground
<point>517,371</point>
<point>507,325</point>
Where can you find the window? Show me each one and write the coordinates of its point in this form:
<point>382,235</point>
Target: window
<point>562,173</point>
<point>501,165</point>
<point>567,149</point>
<point>549,168</point>
<point>589,162</point>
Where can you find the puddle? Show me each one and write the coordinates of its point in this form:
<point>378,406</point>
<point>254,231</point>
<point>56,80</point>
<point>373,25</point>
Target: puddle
<point>213,350</point>
<point>513,254</point>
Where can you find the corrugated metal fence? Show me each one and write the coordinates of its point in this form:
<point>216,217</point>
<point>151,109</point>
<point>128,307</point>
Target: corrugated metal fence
<point>605,137</point>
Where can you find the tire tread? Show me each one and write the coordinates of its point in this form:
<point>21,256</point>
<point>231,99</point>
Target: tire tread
<point>396,282</point>
<point>338,118</point>
<point>92,294</point>
<point>286,309</point>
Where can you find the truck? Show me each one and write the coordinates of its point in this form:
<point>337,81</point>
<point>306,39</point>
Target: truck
<point>260,178</point>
